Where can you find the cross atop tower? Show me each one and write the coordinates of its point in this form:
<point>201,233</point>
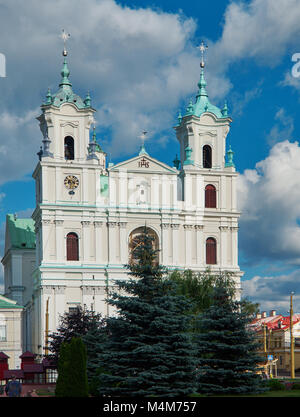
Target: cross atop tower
<point>202,48</point>
<point>143,138</point>
<point>65,36</point>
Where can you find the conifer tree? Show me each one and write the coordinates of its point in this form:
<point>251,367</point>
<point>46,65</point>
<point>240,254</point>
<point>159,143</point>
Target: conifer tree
<point>149,350</point>
<point>72,376</point>
<point>228,359</point>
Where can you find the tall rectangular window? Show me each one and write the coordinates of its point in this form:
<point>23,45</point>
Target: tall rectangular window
<point>2,333</point>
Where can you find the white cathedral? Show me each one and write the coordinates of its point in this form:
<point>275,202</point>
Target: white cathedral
<point>87,211</point>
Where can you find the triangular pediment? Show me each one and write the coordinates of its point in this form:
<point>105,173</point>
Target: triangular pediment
<point>144,163</point>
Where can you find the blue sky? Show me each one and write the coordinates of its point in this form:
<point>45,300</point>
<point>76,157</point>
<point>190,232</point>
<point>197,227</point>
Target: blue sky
<point>139,60</point>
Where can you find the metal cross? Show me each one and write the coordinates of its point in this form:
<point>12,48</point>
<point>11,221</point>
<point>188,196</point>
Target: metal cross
<point>202,48</point>
<point>65,36</point>
<point>143,136</point>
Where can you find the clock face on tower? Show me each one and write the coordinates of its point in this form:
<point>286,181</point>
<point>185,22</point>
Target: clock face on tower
<point>71,182</point>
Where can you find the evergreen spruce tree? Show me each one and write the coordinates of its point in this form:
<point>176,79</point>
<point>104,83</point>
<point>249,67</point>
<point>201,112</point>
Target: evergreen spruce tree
<point>149,350</point>
<point>72,376</point>
<point>228,359</point>
<point>94,341</point>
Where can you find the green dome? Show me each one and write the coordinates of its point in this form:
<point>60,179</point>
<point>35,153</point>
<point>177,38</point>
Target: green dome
<point>202,103</point>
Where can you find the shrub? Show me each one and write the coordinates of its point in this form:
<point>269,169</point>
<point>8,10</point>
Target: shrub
<point>296,385</point>
<point>275,385</point>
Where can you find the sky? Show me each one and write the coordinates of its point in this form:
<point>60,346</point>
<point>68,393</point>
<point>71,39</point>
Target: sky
<point>140,62</point>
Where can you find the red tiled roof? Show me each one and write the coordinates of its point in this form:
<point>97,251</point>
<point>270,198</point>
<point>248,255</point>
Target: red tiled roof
<point>274,323</point>
<point>18,373</point>
<point>33,368</point>
<point>27,354</point>
<point>3,355</point>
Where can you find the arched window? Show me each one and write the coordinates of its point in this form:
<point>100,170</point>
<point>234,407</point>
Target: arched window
<point>69,148</point>
<point>135,241</point>
<point>207,156</point>
<point>210,196</point>
<point>211,251</point>
<point>72,247</point>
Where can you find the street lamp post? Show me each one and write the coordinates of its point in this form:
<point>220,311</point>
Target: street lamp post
<point>292,353</point>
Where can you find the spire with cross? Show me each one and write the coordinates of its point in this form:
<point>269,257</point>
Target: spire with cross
<point>202,48</point>
<point>65,36</point>
<point>143,138</point>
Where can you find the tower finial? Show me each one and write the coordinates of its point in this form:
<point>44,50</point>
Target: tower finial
<point>143,137</point>
<point>65,36</point>
<point>202,48</point>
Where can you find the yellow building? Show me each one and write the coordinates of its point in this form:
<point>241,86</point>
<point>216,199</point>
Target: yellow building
<point>10,330</point>
<point>273,333</point>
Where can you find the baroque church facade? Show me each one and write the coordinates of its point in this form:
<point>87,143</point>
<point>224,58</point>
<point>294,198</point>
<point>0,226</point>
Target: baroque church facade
<point>88,212</point>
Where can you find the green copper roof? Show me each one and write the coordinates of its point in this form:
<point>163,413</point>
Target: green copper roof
<point>21,232</point>
<point>7,303</point>
<point>65,93</point>
<point>97,146</point>
<point>203,104</point>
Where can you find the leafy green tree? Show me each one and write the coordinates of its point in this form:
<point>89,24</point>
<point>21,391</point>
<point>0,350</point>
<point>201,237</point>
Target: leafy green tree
<point>72,375</point>
<point>228,359</point>
<point>149,350</point>
<point>199,286</point>
<point>73,324</point>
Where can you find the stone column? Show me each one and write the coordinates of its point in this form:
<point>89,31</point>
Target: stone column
<point>223,246</point>
<point>188,244</point>
<point>123,243</point>
<point>112,241</point>
<point>234,240</point>
<point>155,191</point>
<point>85,246</point>
<point>200,244</point>
<point>164,243</point>
<point>46,225</point>
<point>99,253</point>
<point>123,189</point>
<point>175,242</point>
<point>60,241</point>
<point>85,186</point>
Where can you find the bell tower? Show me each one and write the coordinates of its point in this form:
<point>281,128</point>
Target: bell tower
<point>203,129</point>
<point>68,173</point>
<point>207,179</point>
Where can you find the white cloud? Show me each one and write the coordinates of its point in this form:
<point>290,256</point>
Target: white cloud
<point>283,128</point>
<point>273,292</point>
<point>18,151</point>
<point>137,63</point>
<point>269,198</point>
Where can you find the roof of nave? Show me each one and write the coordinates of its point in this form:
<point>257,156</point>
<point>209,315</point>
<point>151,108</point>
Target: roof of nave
<point>6,303</point>
<point>21,233</point>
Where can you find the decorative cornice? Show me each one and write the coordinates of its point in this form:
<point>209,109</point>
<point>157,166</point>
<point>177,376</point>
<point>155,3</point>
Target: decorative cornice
<point>199,226</point>
<point>122,224</point>
<point>85,223</point>
<point>98,223</point>
<point>112,224</point>
<point>223,228</point>
<point>188,226</point>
